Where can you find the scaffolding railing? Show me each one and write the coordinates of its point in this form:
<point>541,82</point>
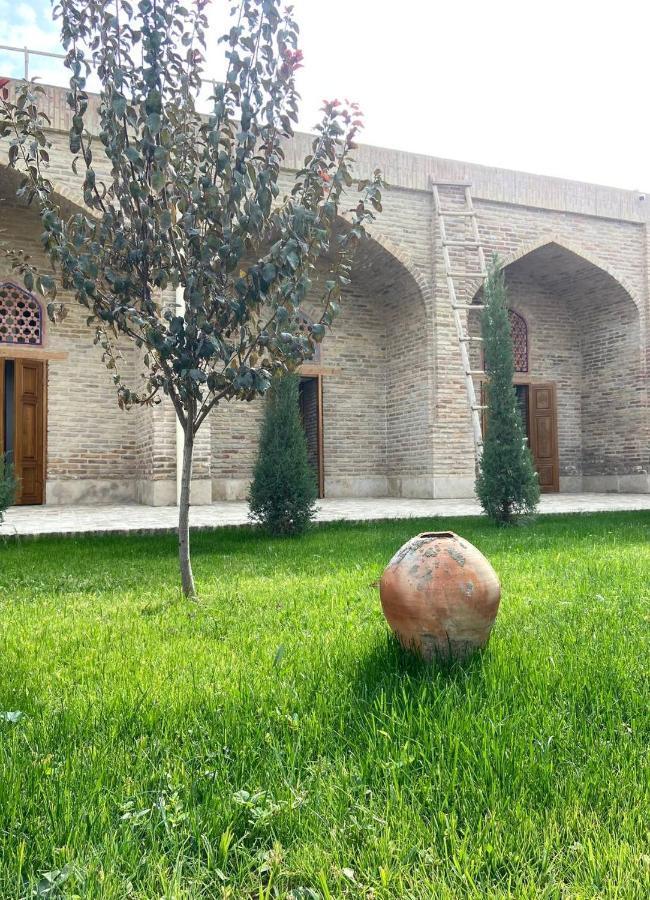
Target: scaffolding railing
<point>27,52</point>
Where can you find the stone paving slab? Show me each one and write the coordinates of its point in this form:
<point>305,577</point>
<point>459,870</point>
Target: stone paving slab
<point>28,521</point>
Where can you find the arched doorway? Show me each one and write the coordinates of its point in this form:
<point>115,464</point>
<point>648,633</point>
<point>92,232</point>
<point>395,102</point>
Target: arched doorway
<point>310,399</point>
<point>367,399</point>
<point>22,391</point>
<point>584,349</point>
<point>378,399</point>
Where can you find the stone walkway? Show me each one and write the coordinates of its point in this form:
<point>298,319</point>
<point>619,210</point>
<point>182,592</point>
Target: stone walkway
<point>35,520</point>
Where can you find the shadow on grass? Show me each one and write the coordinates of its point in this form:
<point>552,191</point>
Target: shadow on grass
<point>390,669</point>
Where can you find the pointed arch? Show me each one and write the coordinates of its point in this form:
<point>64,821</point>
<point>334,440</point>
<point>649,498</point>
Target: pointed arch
<point>70,197</point>
<point>403,256</point>
<point>555,239</point>
<point>579,251</point>
<point>588,338</point>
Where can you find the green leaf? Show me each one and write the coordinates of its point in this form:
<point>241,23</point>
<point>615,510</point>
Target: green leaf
<point>118,105</point>
<point>154,122</point>
<point>268,272</point>
<point>158,181</point>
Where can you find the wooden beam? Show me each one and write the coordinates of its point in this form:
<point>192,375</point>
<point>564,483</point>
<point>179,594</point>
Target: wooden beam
<point>21,351</point>
<point>309,370</point>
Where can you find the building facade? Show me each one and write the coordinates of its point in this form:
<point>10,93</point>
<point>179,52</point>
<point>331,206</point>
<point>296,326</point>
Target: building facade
<point>384,405</point>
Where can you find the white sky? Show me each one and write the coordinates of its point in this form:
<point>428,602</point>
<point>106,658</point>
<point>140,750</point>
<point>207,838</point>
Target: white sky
<point>558,88</point>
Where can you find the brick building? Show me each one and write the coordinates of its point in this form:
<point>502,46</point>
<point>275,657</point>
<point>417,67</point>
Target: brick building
<point>384,405</point>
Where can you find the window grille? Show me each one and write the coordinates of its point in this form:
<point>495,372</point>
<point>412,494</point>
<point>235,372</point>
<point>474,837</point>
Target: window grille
<point>21,316</point>
<point>304,323</point>
<point>519,331</point>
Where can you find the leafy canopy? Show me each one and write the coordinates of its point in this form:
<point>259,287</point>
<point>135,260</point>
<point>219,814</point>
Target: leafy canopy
<point>173,198</point>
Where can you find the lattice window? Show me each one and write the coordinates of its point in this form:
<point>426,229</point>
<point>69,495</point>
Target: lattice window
<point>21,316</point>
<point>304,323</point>
<point>519,331</point>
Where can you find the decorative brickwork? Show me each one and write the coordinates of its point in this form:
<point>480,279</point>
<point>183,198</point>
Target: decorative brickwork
<point>519,331</point>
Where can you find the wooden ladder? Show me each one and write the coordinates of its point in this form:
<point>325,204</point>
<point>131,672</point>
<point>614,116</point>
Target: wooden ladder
<point>462,330</point>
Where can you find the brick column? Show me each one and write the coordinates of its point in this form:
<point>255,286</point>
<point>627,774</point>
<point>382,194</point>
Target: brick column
<point>157,448</point>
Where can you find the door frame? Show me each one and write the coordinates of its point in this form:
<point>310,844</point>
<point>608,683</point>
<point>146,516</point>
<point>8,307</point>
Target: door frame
<point>531,381</point>
<point>320,458</point>
<point>321,443</point>
<point>551,386</point>
<point>318,371</point>
<point>20,358</point>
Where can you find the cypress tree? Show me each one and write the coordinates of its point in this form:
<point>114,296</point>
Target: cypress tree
<point>283,494</point>
<point>507,484</point>
<point>8,486</point>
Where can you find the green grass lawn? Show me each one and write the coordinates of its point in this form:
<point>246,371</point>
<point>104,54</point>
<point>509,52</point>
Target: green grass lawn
<point>273,741</point>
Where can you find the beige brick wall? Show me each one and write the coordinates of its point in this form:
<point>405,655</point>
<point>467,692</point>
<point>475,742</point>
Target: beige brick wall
<point>575,265</point>
<point>89,439</point>
<point>395,410</point>
<point>615,437</point>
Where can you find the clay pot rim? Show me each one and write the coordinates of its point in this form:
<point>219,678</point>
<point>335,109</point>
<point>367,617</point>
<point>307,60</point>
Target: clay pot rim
<point>438,534</point>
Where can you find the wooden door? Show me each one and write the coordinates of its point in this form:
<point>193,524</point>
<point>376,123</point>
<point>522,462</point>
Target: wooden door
<point>542,410</point>
<point>311,414</point>
<point>2,407</point>
<point>29,437</point>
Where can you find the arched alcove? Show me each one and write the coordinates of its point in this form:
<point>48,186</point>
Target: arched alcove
<point>585,338</point>
<point>374,383</point>
<point>60,380</point>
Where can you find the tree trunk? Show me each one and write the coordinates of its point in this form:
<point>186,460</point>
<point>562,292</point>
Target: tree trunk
<point>187,578</point>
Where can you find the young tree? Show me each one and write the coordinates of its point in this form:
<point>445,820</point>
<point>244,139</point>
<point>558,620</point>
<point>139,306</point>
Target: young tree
<point>8,486</point>
<point>283,493</point>
<point>190,203</point>
<point>507,484</point>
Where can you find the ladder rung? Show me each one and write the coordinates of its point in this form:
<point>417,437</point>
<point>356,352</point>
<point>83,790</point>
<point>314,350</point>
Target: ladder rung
<point>438,183</point>
<point>453,274</point>
<point>464,337</point>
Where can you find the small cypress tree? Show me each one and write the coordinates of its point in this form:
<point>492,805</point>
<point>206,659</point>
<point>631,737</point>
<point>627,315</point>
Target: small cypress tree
<point>507,484</point>
<point>283,494</point>
<point>8,486</point>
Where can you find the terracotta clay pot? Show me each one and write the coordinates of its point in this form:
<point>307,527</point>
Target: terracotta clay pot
<point>440,595</point>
